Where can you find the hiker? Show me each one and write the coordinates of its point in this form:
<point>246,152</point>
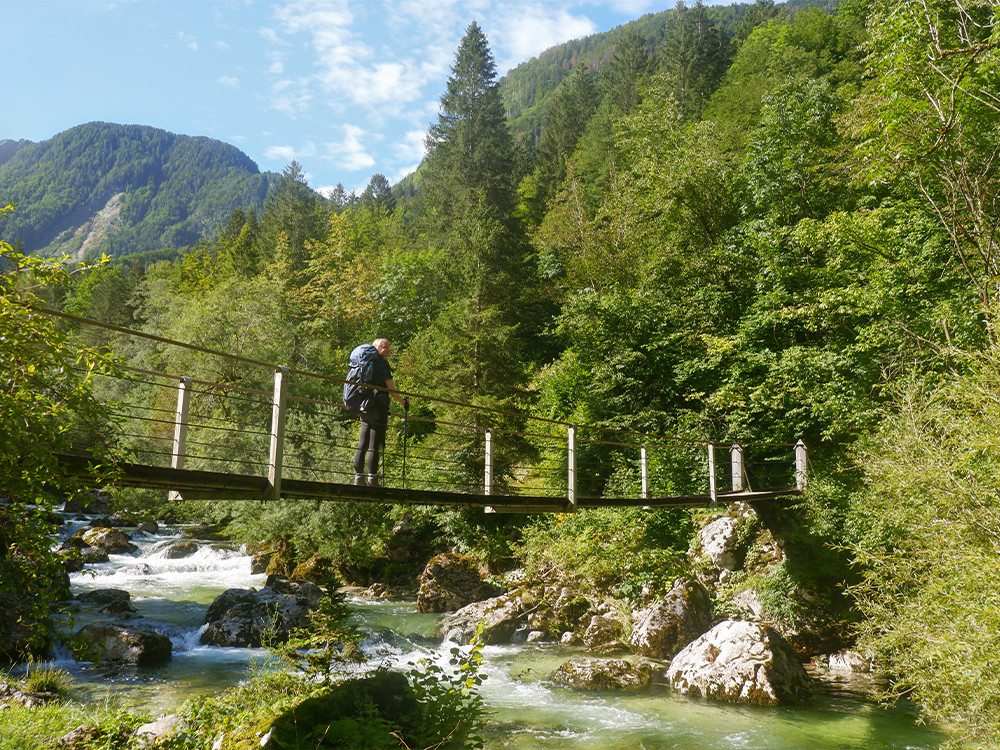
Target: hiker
<point>375,412</point>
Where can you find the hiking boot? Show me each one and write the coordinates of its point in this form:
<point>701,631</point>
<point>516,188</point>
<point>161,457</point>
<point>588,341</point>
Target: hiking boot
<point>359,480</point>
<point>373,481</point>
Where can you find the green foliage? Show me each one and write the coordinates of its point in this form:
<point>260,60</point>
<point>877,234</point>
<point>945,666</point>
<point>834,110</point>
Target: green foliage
<point>925,530</point>
<point>46,679</point>
<point>451,694</point>
<point>41,727</point>
<point>326,645</point>
<point>603,549</point>
<point>46,406</point>
<point>157,189</point>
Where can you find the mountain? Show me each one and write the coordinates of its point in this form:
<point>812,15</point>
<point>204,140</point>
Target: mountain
<point>122,189</point>
<point>527,89</point>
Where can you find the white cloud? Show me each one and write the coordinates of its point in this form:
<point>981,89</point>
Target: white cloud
<point>287,154</point>
<point>231,81</point>
<point>188,41</point>
<point>280,153</point>
<point>292,97</point>
<point>533,29</point>
<point>350,153</point>
<point>223,46</point>
<point>411,147</point>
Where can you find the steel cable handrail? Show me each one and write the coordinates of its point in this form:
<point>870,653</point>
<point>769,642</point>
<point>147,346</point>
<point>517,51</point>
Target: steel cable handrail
<point>340,381</point>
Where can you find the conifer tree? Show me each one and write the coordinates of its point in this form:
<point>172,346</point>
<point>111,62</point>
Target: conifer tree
<point>695,55</point>
<point>474,351</point>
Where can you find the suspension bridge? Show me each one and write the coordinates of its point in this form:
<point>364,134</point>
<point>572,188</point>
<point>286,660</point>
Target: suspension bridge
<point>219,426</point>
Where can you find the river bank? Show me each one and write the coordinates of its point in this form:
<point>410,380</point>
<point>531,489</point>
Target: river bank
<point>526,709</point>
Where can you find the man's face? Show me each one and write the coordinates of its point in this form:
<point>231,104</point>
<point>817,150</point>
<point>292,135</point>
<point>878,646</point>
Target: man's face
<point>384,348</point>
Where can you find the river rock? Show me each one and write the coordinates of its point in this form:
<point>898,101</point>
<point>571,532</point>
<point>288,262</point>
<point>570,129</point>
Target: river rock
<point>450,582</point>
<point>116,602</point>
<point>94,555</point>
<point>318,569</point>
<point>111,541</point>
<point>603,631</point>
<point>81,737</point>
<point>740,662</point>
<point>604,674</point>
<point>246,618</point>
<point>180,549</point>
<point>384,698</point>
<point>122,645</point>
<point>849,662</point>
<point>149,527</point>
<point>725,541</point>
<point>10,697</point>
<point>159,729</point>
<point>500,616</point>
<point>664,628</point>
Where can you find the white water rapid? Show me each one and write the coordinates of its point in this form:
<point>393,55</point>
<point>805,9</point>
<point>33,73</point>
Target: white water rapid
<point>526,709</point>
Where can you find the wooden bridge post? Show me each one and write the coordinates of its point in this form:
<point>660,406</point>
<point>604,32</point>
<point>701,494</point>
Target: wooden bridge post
<point>644,461</point>
<point>571,469</point>
<point>800,465</point>
<point>488,476</point>
<point>712,489</point>
<point>739,472</point>
<point>277,452</point>
<point>179,449</point>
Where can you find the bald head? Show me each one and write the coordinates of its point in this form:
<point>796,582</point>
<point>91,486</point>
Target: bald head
<point>383,347</point>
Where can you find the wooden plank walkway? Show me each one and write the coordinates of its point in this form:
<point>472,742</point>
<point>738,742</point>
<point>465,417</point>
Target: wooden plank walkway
<point>199,484</point>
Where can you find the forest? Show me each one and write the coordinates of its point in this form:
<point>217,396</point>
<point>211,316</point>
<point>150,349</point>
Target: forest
<point>144,188</point>
<point>781,228</point>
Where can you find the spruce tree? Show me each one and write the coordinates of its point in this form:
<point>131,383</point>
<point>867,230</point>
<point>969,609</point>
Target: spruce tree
<point>474,351</point>
<point>695,55</point>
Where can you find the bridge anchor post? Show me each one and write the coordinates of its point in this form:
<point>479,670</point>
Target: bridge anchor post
<point>179,448</point>
<point>277,452</point>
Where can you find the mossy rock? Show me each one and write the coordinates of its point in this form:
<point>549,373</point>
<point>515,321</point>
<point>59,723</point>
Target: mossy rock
<point>355,714</point>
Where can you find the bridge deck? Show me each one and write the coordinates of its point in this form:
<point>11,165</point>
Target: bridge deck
<point>198,484</point>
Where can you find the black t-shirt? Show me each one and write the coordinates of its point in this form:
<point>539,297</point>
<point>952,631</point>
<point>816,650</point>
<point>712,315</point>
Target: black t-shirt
<point>381,372</point>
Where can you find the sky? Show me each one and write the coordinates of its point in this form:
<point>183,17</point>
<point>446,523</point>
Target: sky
<point>348,88</point>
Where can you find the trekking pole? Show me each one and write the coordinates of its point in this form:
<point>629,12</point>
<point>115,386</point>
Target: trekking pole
<point>406,432</point>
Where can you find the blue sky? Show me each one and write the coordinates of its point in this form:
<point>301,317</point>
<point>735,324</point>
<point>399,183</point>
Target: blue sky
<point>346,87</point>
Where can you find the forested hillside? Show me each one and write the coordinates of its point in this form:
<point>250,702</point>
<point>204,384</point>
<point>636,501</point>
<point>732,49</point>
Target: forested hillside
<point>118,189</point>
<point>527,89</point>
<point>762,231</point>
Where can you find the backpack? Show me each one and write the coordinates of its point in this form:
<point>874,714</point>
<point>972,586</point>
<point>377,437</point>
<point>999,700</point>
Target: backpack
<point>358,398</point>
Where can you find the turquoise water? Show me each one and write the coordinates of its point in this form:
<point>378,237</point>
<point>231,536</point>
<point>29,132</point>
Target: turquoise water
<point>529,711</point>
<point>526,709</point>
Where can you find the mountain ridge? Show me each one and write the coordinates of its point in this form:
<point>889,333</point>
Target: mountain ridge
<point>139,187</point>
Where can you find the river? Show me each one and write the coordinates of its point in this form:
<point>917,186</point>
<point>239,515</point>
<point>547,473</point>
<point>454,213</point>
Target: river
<point>526,709</point>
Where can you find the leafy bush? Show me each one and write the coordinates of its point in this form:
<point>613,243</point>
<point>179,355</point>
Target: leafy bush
<point>604,549</point>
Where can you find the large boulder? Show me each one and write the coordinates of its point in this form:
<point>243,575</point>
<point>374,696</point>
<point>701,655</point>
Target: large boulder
<point>604,674</point>
<point>351,712</point>
<point>450,582</point>
<point>123,645</point>
<point>112,601</point>
<point>667,626</point>
<point>180,549</point>
<point>109,540</point>
<point>740,662</point>
<point>500,617</point>
<point>318,569</point>
<point>244,617</point>
<point>603,631</point>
